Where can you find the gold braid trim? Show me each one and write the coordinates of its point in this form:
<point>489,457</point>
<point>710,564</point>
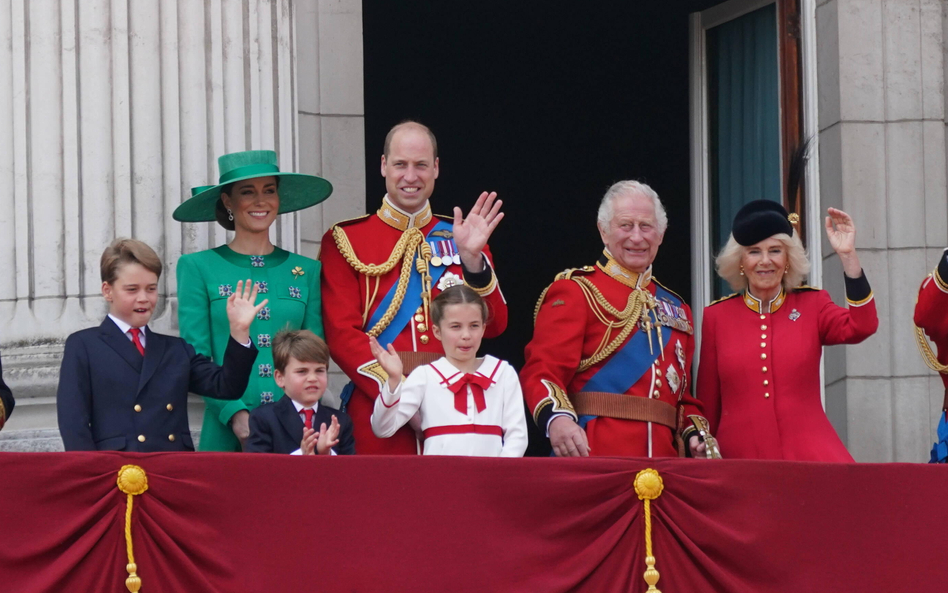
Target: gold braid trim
<point>648,486</point>
<point>406,247</point>
<point>637,307</point>
<point>928,356</point>
<point>133,482</point>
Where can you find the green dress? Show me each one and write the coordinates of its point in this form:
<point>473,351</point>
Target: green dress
<point>205,280</point>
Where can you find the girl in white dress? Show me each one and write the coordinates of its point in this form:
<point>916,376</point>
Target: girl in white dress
<point>466,405</point>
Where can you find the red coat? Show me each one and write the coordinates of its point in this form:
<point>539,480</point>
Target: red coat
<point>567,331</point>
<point>347,294</point>
<point>759,373</point>
<point>931,311</point>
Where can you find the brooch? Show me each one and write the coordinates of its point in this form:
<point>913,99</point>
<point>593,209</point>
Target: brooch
<point>262,288</point>
<point>263,314</point>
<point>257,261</point>
<point>263,340</point>
<point>225,290</point>
<point>448,280</point>
<point>266,370</point>
<point>794,315</point>
<point>266,397</point>
<point>295,292</point>
<point>298,271</point>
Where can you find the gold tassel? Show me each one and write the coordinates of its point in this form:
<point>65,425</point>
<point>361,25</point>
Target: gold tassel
<point>133,482</point>
<point>648,487</point>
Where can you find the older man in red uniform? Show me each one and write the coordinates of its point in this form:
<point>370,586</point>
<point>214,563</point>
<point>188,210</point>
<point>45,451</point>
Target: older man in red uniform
<point>608,370</point>
<point>931,316</point>
<point>380,272</point>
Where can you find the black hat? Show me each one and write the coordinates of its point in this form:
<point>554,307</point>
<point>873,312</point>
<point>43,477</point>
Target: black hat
<point>758,220</point>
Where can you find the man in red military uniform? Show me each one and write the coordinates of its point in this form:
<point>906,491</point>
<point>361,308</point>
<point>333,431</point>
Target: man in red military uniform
<point>608,370</point>
<point>931,316</point>
<point>380,272</point>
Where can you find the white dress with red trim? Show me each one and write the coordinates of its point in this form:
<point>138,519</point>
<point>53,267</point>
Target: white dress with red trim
<point>492,423</point>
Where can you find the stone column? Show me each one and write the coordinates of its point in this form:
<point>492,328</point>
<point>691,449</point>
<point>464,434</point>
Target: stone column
<point>112,110</point>
<point>882,159</point>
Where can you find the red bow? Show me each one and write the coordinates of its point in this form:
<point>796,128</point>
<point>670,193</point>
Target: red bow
<point>478,384</point>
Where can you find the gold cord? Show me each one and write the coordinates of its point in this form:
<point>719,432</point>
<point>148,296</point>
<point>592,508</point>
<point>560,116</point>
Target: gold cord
<point>636,309</point>
<point>133,482</point>
<point>411,242</point>
<point>928,356</point>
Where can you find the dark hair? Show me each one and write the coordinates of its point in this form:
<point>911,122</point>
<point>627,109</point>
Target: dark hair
<point>409,124</point>
<point>461,294</point>
<point>301,344</point>
<point>127,251</point>
<point>220,212</point>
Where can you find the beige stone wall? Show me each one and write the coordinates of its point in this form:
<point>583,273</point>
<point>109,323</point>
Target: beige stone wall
<point>882,159</point>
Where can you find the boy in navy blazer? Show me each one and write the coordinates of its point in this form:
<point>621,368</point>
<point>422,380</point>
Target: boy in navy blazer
<point>298,424</point>
<point>123,387</point>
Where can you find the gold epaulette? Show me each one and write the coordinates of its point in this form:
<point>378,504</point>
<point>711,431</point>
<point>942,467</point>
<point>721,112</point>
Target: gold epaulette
<point>668,290</point>
<point>564,275</point>
<point>722,299</point>
<point>568,273</point>
<point>805,288</point>
<point>352,220</point>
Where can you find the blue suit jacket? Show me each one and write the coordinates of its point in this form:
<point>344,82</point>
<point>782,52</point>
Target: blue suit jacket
<point>6,399</point>
<point>277,428</point>
<point>110,398</point>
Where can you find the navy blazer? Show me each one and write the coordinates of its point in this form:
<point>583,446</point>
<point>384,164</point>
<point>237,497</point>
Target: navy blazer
<point>6,400</point>
<point>278,428</point>
<point>110,398</point>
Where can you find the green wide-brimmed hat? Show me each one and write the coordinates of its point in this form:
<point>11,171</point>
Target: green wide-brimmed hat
<point>297,190</point>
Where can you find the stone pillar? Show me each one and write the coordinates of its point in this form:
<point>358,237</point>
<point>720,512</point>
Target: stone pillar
<point>112,110</point>
<point>882,159</point>
<point>331,120</point>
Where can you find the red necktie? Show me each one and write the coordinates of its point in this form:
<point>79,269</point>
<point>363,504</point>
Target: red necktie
<point>137,340</point>
<point>308,423</point>
<point>478,384</point>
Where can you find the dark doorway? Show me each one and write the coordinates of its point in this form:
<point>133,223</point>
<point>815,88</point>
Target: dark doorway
<point>547,104</point>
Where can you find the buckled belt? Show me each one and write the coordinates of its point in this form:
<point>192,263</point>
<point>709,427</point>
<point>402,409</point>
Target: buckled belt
<point>625,407</point>
<point>413,360</point>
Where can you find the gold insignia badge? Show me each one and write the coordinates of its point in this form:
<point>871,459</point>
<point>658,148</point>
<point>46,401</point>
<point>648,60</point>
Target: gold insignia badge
<point>443,233</point>
<point>558,302</point>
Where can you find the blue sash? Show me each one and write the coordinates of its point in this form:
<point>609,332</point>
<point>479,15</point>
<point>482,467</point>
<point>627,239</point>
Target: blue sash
<point>627,365</point>
<point>940,449</point>
<point>412,298</point>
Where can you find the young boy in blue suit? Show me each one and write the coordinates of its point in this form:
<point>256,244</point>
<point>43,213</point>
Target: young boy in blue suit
<point>298,424</point>
<point>123,387</point>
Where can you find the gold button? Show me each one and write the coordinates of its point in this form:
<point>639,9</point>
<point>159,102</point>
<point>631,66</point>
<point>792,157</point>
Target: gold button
<point>170,407</point>
<point>138,408</point>
<point>658,382</point>
<point>658,372</point>
<point>141,438</point>
<point>171,437</point>
<point>763,316</point>
<point>763,336</point>
<point>763,344</point>
<point>655,393</point>
<point>763,357</point>
<point>766,395</point>
<point>766,382</point>
<point>764,369</point>
<point>419,317</point>
<point>422,327</point>
<point>420,310</point>
<point>424,339</point>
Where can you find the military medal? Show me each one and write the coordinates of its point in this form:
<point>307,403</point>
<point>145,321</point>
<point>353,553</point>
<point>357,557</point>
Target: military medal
<point>448,280</point>
<point>435,259</point>
<point>674,380</point>
<point>453,253</point>
<point>680,354</point>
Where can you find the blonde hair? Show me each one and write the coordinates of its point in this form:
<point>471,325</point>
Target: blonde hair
<point>728,262</point>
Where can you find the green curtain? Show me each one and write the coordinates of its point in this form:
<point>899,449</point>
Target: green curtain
<point>744,109</point>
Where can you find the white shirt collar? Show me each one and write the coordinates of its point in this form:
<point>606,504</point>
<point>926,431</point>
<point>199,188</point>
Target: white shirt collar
<point>124,327</point>
<point>300,407</point>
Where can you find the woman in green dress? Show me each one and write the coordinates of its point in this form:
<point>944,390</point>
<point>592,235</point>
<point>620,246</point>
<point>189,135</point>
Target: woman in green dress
<point>250,194</point>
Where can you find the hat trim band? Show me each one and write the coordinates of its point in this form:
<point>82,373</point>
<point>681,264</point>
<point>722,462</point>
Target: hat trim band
<point>259,170</point>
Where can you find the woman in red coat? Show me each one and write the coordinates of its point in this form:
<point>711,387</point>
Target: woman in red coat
<point>759,373</point>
